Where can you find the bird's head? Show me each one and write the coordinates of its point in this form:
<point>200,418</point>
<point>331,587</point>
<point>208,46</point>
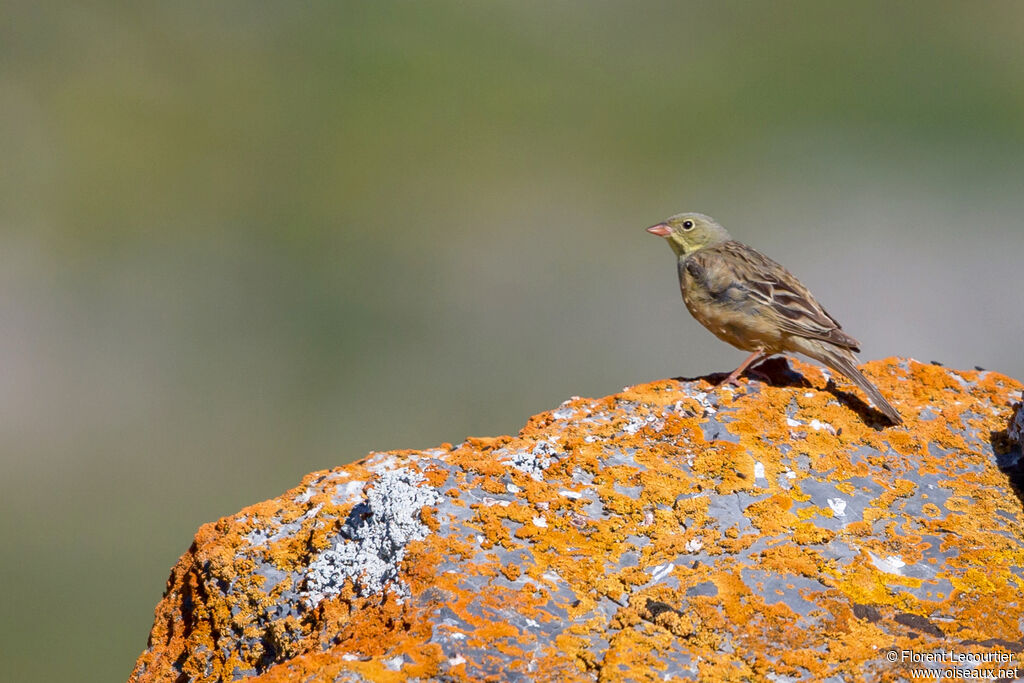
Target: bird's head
<point>690,232</point>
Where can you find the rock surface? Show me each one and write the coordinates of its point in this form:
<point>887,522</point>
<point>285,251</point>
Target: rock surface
<point>776,531</point>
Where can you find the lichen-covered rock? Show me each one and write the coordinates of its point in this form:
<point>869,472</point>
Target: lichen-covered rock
<point>776,531</point>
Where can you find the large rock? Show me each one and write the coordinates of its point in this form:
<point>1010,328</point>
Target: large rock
<point>776,531</point>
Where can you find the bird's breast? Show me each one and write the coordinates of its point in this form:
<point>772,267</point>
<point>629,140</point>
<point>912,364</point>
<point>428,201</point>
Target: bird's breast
<point>728,318</point>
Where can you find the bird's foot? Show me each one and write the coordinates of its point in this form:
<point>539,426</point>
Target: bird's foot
<point>733,380</point>
<point>733,377</point>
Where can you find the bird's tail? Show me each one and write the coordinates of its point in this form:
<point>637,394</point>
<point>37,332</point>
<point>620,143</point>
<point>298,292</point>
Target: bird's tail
<point>844,363</point>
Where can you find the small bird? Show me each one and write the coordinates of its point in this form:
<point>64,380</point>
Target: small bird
<point>745,298</point>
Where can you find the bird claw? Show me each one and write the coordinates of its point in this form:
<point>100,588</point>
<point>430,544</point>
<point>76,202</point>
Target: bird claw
<point>734,378</point>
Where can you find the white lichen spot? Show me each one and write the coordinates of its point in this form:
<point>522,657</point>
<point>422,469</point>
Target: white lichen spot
<point>662,570</point>
<point>349,492</point>
<point>702,399</point>
<point>381,462</point>
<point>633,425</point>
<point>534,462</point>
<point>694,545</point>
<point>575,495</point>
<point>793,423</point>
<point>809,394</point>
<point>540,522</point>
<point>838,506</point>
<point>890,565</point>
<point>637,422</point>
<point>457,659</point>
<point>395,663</point>
<point>373,541</point>
<point>759,470</point>
<point>551,577</point>
<point>817,425</point>
<point>512,488</point>
<point>564,411</point>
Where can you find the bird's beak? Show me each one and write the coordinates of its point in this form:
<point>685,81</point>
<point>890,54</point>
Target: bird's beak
<point>661,230</point>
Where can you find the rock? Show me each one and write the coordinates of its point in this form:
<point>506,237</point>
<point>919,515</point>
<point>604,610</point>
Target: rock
<point>774,531</point>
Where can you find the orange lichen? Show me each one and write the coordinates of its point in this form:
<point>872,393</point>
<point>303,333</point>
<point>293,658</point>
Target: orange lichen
<point>806,533</point>
<point>768,529</point>
<point>772,515</point>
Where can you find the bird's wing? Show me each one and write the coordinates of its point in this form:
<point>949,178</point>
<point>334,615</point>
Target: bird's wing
<point>790,304</point>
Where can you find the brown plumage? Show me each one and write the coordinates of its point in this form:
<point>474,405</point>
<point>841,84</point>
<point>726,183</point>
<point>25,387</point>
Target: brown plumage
<point>750,301</point>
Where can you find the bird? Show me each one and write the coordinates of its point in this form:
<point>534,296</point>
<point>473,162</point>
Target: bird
<point>750,301</point>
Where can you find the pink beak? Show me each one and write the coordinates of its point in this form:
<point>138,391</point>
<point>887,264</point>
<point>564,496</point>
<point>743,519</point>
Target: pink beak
<point>661,230</point>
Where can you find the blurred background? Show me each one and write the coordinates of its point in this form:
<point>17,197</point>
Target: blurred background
<point>243,241</point>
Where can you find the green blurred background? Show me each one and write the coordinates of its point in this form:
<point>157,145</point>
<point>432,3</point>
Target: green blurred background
<point>242,241</point>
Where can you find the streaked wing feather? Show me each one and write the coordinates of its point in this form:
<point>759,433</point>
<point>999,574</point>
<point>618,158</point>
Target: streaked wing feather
<point>794,307</point>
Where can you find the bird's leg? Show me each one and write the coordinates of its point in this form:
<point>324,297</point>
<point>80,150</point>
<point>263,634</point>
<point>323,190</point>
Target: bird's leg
<point>731,379</point>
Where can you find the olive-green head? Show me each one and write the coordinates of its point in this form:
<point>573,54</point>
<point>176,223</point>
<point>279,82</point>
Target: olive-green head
<point>690,232</point>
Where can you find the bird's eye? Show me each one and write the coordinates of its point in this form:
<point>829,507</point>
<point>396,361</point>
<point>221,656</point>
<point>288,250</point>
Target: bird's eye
<point>687,225</point>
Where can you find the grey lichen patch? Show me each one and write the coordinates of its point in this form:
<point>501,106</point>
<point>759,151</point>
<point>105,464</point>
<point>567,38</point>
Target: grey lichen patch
<point>374,538</point>
<point>534,462</point>
<point>271,534</point>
